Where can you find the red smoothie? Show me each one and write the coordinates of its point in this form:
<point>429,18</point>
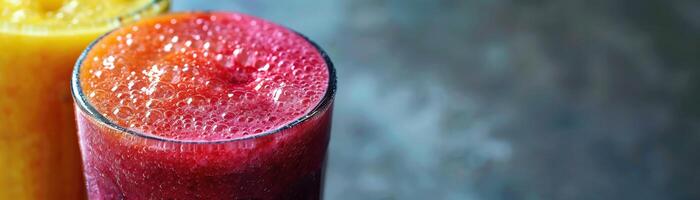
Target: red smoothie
<point>204,106</point>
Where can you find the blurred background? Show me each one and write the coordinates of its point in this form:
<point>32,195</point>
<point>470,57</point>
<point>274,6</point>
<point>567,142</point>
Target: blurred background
<point>499,99</point>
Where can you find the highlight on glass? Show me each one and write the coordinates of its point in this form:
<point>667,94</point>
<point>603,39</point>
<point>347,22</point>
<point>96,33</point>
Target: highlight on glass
<point>40,41</point>
<point>204,105</point>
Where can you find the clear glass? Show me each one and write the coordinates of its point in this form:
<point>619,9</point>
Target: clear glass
<point>287,163</point>
<point>38,141</point>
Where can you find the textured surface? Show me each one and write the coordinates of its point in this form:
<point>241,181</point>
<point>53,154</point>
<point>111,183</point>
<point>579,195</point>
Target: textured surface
<point>203,76</point>
<point>64,13</point>
<point>500,99</point>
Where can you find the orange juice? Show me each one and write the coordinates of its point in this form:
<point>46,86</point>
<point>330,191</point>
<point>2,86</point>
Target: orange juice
<point>40,41</point>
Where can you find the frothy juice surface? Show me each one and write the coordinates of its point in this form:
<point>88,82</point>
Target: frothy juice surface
<point>204,105</point>
<point>65,11</point>
<point>204,77</point>
<point>40,41</point>
<point>65,16</point>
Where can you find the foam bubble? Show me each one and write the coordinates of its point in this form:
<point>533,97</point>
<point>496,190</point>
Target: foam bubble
<point>200,79</point>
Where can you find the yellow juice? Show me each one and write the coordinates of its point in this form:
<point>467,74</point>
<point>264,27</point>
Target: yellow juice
<point>39,43</point>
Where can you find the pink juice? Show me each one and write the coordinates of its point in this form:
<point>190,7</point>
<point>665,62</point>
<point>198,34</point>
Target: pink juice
<point>204,106</point>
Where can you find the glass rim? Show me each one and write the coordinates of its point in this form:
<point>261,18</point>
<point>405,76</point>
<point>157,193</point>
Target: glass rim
<point>108,23</point>
<point>86,107</point>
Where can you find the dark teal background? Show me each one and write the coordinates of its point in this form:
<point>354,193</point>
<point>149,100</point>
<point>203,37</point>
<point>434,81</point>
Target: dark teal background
<point>497,99</point>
